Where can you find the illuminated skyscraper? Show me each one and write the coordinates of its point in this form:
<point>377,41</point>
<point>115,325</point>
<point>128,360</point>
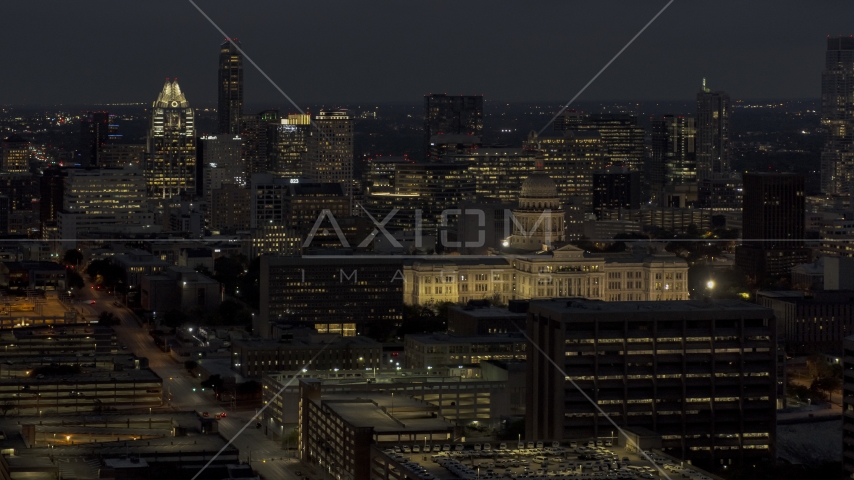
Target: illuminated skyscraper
<point>444,115</point>
<point>837,117</point>
<point>673,159</point>
<point>256,140</point>
<point>230,105</point>
<point>330,149</point>
<point>287,145</point>
<point>713,134</point>
<point>621,135</point>
<point>570,158</point>
<point>15,155</point>
<point>170,159</point>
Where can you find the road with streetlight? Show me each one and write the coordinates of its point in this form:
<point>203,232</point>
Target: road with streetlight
<point>186,392</point>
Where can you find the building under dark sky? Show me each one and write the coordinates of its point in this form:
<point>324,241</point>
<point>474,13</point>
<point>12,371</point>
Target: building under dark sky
<point>837,116</point>
<point>454,115</point>
<point>713,133</point>
<point>774,224</point>
<point>230,85</point>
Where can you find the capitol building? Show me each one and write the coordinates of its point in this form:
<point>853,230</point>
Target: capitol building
<point>540,268</point>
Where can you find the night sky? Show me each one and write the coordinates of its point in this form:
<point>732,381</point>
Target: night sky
<point>103,51</point>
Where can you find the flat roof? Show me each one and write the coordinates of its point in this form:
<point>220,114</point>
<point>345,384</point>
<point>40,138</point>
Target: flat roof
<point>379,412</point>
<point>488,312</point>
<point>449,338</point>
<point>575,308</point>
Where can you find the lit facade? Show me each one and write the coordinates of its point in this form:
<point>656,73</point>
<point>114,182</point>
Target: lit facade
<point>289,145</point>
<point>622,136</point>
<point>837,117</point>
<point>701,375</point>
<point>170,160</point>
<point>498,173</point>
<point>330,149</point>
<point>15,155</point>
<point>570,158</point>
<point>103,200</point>
<point>565,272</point>
<point>673,159</point>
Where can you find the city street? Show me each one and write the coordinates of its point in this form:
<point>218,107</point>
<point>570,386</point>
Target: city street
<point>266,455</point>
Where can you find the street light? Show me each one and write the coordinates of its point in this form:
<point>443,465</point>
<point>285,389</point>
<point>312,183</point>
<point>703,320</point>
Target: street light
<point>710,284</point>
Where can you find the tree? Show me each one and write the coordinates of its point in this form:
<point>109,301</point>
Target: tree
<point>105,273</point>
<point>72,258</point>
<point>175,318</point>
<point>108,319</point>
<point>214,382</point>
<point>74,279</point>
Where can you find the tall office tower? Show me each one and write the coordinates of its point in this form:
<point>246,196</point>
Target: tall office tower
<point>284,210</point>
<point>698,377</point>
<point>570,158</point>
<point>616,190</point>
<point>837,117</point>
<point>230,105</point>
<point>288,145</point>
<point>673,159</point>
<point>230,208</point>
<point>256,140</point>
<point>773,217</point>
<point>95,131</point>
<point>103,200</point>
<point>365,290</point>
<point>428,186</point>
<point>170,159</point>
<point>498,172</point>
<point>221,159</point>
<point>15,155</point>
<point>713,133</point>
<point>444,115</point>
<point>621,135</point>
<point>51,186</point>
<point>330,149</point>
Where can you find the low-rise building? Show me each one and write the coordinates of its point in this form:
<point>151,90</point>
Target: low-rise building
<point>441,349</point>
<point>815,322</point>
<point>479,318</point>
<point>253,357</point>
<point>87,391</point>
<point>33,275</point>
<point>460,399</point>
<point>340,433</point>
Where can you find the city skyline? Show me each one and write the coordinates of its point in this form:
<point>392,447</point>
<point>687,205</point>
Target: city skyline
<point>733,56</point>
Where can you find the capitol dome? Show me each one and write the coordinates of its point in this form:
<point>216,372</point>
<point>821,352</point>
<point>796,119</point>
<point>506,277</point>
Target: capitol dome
<point>538,185</point>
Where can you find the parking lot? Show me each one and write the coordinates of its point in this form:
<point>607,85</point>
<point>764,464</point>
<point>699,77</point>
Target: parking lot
<point>586,460</point>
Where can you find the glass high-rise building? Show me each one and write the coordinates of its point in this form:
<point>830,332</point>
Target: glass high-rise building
<point>230,105</point>
<point>773,216</point>
<point>15,155</point>
<point>620,133</point>
<point>170,159</point>
<point>458,115</point>
<point>95,131</point>
<point>330,149</point>
<point>288,145</point>
<point>570,158</point>
<point>837,117</point>
<point>713,133</point>
<point>672,158</point>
